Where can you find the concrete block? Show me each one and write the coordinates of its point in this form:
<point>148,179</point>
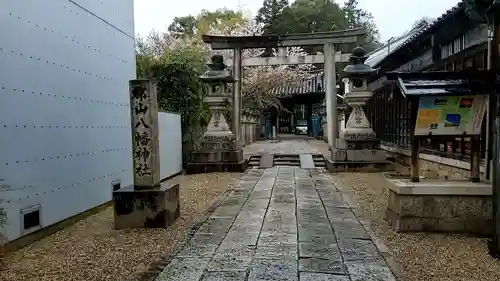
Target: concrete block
<point>341,144</point>
<point>156,207</point>
<point>338,155</point>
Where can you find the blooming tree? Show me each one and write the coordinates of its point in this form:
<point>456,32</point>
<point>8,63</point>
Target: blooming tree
<point>259,81</point>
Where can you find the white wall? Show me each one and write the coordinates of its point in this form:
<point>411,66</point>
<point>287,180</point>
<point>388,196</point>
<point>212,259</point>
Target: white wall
<point>64,105</point>
<point>170,144</point>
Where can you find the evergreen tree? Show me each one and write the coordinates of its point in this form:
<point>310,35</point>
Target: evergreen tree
<point>356,17</point>
<point>183,26</point>
<point>270,14</point>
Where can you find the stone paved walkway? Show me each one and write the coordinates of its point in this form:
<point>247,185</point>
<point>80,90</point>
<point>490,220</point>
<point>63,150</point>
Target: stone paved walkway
<point>281,223</point>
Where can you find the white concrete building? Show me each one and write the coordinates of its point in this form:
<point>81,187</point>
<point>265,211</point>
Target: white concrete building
<point>64,107</point>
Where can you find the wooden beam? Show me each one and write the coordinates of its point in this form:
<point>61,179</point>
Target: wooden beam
<point>348,36</point>
<point>318,41</point>
<point>308,59</point>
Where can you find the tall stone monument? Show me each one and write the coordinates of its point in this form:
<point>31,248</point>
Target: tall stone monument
<point>358,144</point>
<point>218,149</point>
<point>148,203</point>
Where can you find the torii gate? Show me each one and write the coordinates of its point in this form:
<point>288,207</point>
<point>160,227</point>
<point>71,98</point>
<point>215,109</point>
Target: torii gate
<point>329,57</point>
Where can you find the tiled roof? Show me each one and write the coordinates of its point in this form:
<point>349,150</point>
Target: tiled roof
<point>378,55</point>
<point>313,84</point>
<point>429,28</point>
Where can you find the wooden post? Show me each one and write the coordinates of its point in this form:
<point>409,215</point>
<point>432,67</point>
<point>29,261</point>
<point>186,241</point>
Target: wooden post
<point>475,156</point>
<point>415,142</point>
<point>415,167</point>
<point>494,244</point>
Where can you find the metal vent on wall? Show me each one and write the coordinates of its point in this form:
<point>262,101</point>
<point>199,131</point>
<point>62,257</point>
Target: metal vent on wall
<point>31,219</point>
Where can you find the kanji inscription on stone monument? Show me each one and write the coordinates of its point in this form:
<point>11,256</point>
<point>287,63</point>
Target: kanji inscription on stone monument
<point>145,140</point>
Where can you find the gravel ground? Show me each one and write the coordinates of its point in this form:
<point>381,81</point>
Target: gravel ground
<point>421,256</point>
<point>92,250</point>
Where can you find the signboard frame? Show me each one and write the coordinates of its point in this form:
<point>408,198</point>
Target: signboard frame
<point>450,115</point>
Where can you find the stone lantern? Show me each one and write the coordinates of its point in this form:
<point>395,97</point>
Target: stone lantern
<point>356,95</point>
<point>359,142</point>
<point>217,149</point>
<point>218,97</point>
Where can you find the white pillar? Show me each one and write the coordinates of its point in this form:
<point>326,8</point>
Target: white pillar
<point>236,116</point>
<point>331,95</point>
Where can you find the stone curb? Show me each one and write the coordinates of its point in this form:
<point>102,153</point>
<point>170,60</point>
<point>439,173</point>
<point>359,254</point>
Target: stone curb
<point>384,251</point>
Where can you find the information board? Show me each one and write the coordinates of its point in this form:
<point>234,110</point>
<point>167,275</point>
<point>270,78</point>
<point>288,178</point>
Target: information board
<point>452,115</point>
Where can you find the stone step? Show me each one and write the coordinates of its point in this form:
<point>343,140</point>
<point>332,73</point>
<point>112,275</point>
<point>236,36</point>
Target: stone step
<point>287,160</point>
<point>254,160</point>
<point>319,160</point>
<point>308,161</point>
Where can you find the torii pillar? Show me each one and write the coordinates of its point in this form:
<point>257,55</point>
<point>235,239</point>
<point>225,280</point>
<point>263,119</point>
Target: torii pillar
<point>331,95</point>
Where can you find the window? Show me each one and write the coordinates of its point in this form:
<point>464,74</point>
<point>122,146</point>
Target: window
<point>452,47</point>
<point>458,44</point>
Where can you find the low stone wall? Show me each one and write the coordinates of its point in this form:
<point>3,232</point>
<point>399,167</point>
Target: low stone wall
<point>453,206</point>
<point>249,129</point>
<point>432,166</point>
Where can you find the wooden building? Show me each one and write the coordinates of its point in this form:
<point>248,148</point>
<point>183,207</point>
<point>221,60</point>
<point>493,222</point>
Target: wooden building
<point>300,101</point>
<point>453,42</point>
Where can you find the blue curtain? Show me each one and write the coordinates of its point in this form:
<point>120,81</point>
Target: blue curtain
<point>316,125</point>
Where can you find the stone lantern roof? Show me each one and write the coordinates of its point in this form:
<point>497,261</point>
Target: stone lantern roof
<point>217,72</point>
<point>357,66</point>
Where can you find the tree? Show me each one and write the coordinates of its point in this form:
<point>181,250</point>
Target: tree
<point>423,21</point>
<point>191,26</point>
<point>221,17</point>
<point>305,16</point>
<point>176,63</point>
<point>270,15</point>
<point>313,16</point>
<point>183,26</point>
<point>356,17</point>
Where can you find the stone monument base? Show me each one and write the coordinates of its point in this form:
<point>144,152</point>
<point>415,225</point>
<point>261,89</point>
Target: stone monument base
<point>146,208</point>
<point>358,160</point>
<point>439,206</point>
<point>358,156</point>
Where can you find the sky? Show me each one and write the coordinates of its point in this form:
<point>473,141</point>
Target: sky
<point>393,17</point>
